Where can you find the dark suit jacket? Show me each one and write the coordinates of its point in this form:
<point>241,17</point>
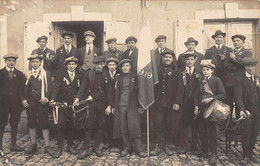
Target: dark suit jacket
<point>133,57</point>
<point>64,92</point>
<point>61,55</point>
<point>181,60</point>
<point>11,89</point>
<point>158,56</point>
<point>82,51</point>
<point>116,54</point>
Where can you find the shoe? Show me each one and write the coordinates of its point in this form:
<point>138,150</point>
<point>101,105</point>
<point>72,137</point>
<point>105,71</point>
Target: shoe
<point>168,151</point>
<point>255,160</point>
<point>245,161</point>
<point>203,154</point>
<point>83,154</point>
<point>49,150</point>
<point>32,149</point>
<point>155,151</point>
<point>141,154</point>
<point>183,150</point>
<point>213,159</point>
<point>124,152</point>
<point>15,148</point>
<point>72,150</point>
<point>105,146</point>
<point>98,152</point>
<point>58,153</point>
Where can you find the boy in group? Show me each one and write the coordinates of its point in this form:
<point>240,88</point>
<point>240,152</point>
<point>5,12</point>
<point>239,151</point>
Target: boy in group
<point>209,88</point>
<point>66,86</point>
<point>37,91</point>
<point>169,100</point>
<point>131,52</point>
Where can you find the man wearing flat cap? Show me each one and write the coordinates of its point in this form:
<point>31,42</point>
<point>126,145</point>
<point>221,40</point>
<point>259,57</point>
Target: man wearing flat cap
<point>65,51</point>
<point>112,51</point>
<point>96,88</point>
<point>48,62</point>
<point>66,86</point>
<point>191,44</point>
<point>11,87</point>
<point>87,53</point>
<point>247,99</point>
<point>131,52</point>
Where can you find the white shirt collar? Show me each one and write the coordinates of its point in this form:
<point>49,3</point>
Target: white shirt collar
<point>238,49</point>
<point>188,69</point>
<point>190,51</point>
<point>216,45</point>
<point>44,48</point>
<point>249,76</point>
<point>67,46</point>
<point>89,45</point>
<point>8,68</point>
<point>112,74</point>
<point>73,72</point>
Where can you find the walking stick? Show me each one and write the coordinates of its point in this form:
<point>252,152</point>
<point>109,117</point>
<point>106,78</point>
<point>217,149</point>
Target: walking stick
<point>148,133</point>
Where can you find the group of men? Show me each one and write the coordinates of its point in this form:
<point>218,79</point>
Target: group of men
<point>108,82</point>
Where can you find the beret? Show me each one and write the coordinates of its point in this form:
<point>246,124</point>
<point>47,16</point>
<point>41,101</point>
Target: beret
<point>10,55</point>
<point>207,63</point>
<point>242,37</point>
<point>190,40</point>
<point>111,39</point>
<point>249,61</point>
<point>41,38</point>
<point>70,59</point>
<point>35,56</point>
<point>67,34</point>
<point>130,38</point>
<point>98,59</point>
<point>186,55</point>
<point>168,52</point>
<point>111,60</point>
<point>89,33</point>
<point>123,61</point>
<point>160,37</point>
<point>218,32</point>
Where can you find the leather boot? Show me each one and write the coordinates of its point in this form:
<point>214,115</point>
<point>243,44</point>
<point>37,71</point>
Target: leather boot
<point>72,150</point>
<point>168,151</point>
<point>32,149</point>
<point>155,151</point>
<point>98,146</point>
<point>213,159</point>
<point>49,150</point>
<point>14,147</point>
<point>58,153</point>
<point>124,152</point>
<point>83,154</point>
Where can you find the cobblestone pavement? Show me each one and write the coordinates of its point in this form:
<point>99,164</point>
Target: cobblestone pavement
<point>111,159</point>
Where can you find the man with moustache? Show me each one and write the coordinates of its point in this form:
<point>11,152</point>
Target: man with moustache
<point>112,51</point>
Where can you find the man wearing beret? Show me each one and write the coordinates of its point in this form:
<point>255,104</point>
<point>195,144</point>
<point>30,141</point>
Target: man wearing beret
<point>65,51</point>
<point>132,52</point>
<point>87,53</point>
<point>66,86</point>
<point>191,44</point>
<point>247,99</point>
<point>209,88</point>
<point>11,87</point>
<point>36,96</point>
<point>95,86</point>
<point>48,55</point>
<point>112,51</point>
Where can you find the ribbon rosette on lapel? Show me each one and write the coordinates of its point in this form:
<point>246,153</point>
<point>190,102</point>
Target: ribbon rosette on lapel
<point>66,80</point>
<point>184,77</point>
<point>198,76</point>
<point>95,54</point>
<point>48,55</point>
<point>61,51</point>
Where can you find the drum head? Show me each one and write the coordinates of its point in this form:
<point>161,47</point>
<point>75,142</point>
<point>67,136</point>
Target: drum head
<point>209,109</point>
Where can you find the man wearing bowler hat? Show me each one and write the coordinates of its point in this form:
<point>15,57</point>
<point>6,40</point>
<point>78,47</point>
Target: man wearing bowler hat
<point>131,52</point>
<point>11,87</point>
<point>65,51</point>
<point>191,44</point>
<point>112,51</point>
<point>87,53</point>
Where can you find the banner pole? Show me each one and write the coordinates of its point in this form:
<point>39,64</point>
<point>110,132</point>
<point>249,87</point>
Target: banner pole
<point>148,133</point>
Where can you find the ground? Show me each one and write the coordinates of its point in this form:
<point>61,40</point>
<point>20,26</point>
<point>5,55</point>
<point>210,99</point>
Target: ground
<point>40,158</point>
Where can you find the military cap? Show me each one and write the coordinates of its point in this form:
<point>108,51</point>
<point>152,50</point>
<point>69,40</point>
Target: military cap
<point>90,33</point>
<point>186,55</point>
<point>111,39</point>
<point>98,59</point>
<point>123,61</point>
<point>35,56</point>
<point>207,63</point>
<point>10,55</point>
<point>67,34</point>
<point>130,38</point>
<point>41,38</point>
<point>249,61</point>
<point>190,40</point>
<point>111,60</point>
<point>70,59</point>
<point>242,37</point>
<point>168,52</point>
<point>218,32</point>
<point>160,37</point>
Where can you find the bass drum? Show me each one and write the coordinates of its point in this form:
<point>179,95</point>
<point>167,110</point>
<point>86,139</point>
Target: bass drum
<point>80,116</point>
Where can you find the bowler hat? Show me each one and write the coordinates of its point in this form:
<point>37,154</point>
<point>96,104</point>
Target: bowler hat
<point>70,59</point>
<point>190,40</point>
<point>67,34</point>
<point>218,32</point>
<point>242,37</point>
<point>98,59</point>
<point>111,39</point>
<point>41,38</point>
<point>10,55</point>
<point>160,37</point>
<point>123,61</point>
<point>207,63</point>
<point>186,55</point>
<point>130,38</point>
<point>112,60</point>
<point>249,61</point>
<point>35,56</point>
<point>90,33</point>
<point>168,52</point>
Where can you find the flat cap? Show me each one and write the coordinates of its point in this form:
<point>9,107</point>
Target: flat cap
<point>35,56</point>
<point>111,39</point>
<point>123,61</point>
<point>67,34</point>
<point>111,60</point>
<point>249,61</point>
<point>190,40</point>
<point>41,38</point>
<point>130,38</point>
<point>242,37</point>
<point>218,32</point>
<point>168,52</point>
<point>89,33</point>
<point>10,55</point>
<point>70,59</point>
<point>98,59</point>
<point>160,37</point>
<point>186,55</point>
<point>207,63</point>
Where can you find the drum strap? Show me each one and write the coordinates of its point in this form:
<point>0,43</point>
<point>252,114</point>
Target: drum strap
<point>207,88</point>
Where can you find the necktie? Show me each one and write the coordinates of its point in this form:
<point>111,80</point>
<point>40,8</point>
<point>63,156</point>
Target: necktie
<point>11,73</point>
<point>35,74</point>
<point>89,51</point>
<point>71,76</point>
<point>252,78</point>
<point>190,71</point>
<point>218,47</point>
<point>42,49</point>
<point>67,50</point>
